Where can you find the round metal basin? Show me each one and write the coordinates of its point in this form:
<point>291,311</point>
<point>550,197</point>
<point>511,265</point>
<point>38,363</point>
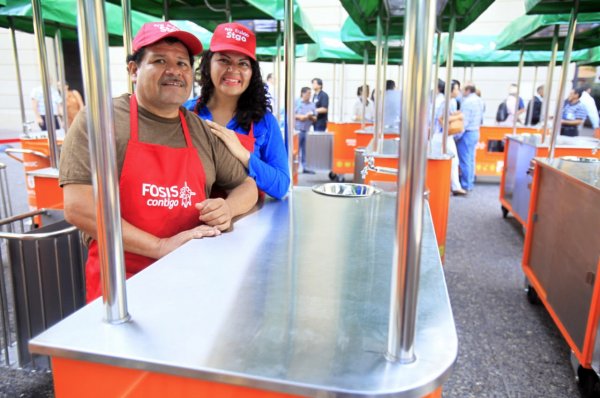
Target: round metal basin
<point>580,159</point>
<point>345,190</point>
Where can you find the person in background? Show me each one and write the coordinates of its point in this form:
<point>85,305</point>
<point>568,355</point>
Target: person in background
<point>478,92</point>
<point>74,102</point>
<point>271,92</point>
<point>573,114</point>
<point>467,141</point>
<point>39,107</point>
<point>437,137</point>
<point>321,101</point>
<point>590,106</point>
<point>234,102</point>
<point>514,106</point>
<point>305,116</point>
<point>362,97</point>
<point>167,160</point>
<point>534,108</point>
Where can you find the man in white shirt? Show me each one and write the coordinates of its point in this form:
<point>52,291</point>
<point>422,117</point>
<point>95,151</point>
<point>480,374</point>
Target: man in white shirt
<point>590,106</point>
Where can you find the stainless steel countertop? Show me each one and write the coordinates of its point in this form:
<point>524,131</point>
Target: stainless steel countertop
<point>391,147</point>
<point>292,301</point>
<point>588,173</point>
<point>562,141</point>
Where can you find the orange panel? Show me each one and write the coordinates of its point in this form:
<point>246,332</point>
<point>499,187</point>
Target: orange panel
<point>49,195</point>
<point>295,161</point>
<point>438,183</point>
<point>75,379</point>
<point>489,163</point>
<point>344,143</point>
<point>34,162</point>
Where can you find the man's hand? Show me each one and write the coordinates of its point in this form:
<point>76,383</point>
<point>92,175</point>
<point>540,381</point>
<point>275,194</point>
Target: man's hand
<point>216,213</point>
<point>167,245</point>
<point>231,140</point>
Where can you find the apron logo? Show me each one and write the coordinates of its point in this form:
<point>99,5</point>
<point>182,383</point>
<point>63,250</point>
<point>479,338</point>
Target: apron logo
<point>168,197</point>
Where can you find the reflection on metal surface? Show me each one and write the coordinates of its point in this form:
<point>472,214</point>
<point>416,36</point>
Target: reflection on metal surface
<point>345,189</point>
<point>580,159</point>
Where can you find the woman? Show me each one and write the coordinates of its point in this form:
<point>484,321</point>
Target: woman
<point>357,110</point>
<point>235,104</point>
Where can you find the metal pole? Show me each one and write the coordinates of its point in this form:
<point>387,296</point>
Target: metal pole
<point>449,61</point>
<point>18,71</point>
<point>471,73</point>
<point>548,86</point>
<point>40,38</point>
<point>93,45</point>
<point>379,88</point>
<point>563,79</point>
<point>364,104</point>
<point>333,91</point>
<point>435,84</point>
<point>533,91</point>
<point>277,75</point>
<point>342,92</point>
<point>290,78</point>
<point>464,75</point>
<point>521,60</point>
<point>60,66</point>
<point>418,34</point>
<point>127,36</point>
<point>166,10</point>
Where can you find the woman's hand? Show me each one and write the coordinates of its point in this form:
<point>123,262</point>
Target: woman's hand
<point>232,142</point>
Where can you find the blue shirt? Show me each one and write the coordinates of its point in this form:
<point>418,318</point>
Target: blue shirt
<point>302,108</point>
<point>472,110</point>
<point>268,163</point>
<point>574,111</point>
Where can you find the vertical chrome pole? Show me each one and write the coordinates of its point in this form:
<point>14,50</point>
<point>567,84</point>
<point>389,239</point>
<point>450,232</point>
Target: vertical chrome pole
<point>331,109</point>
<point>364,104</point>
<point>471,73</point>
<point>435,84</point>
<point>277,76</point>
<point>166,10</point>
<point>563,79</point>
<point>533,91</point>
<point>521,60</point>
<point>127,36</point>
<point>447,92</point>
<point>93,45</point>
<point>548,86</point>
<point>379,88</point>
<point>290,78</point>
<point>464,81</point>
<point>18,72</point>
<point>60,67</point>
<point>418,35</point>
<point>40,39</point>
<point>342,92</point>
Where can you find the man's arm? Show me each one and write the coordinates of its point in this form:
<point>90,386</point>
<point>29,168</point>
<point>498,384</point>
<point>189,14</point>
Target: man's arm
<point>324,104</point>
<point>575,122</point>
<point>80,211</point>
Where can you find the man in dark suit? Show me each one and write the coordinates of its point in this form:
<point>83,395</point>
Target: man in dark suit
<point>534,108</point>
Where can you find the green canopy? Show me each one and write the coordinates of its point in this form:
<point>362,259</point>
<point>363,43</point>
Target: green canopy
<point>481,51</point>
<point>264,17</point>
<point>534,32</point>
<point>329,48</point>
<point>62,14</point>
<point>353,38</point>
<point>592,58</point>
<point>364,13</point>
<point>269,52</point>
<point>559,6</point>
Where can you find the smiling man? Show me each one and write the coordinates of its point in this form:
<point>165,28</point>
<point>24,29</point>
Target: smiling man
<point>167,160</point>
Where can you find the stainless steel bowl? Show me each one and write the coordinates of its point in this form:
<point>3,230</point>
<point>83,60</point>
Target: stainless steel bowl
<point>580,159</point>
<point>345,190</point>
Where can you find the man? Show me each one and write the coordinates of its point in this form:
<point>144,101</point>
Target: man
<point>590,106</point>
<point>514,106</point>
<point>271,90</point>
<point>305,115</point>
<point>534,108</point>
<point>392,103</point>
<point>39,107</point>
<point>321,101</point>
<point>573,114</point>
<point>167,160</point>
<point>467,141</point>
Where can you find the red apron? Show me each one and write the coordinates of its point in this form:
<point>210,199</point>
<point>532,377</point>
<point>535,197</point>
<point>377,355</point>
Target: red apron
<point>159,186</point>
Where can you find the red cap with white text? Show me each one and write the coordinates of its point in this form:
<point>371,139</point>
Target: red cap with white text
<point>234,37</point>
<point>153,32</point>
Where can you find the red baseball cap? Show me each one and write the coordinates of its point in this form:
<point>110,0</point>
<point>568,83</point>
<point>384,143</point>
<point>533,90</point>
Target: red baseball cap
<point>152,32</point>
<point>234,37</point>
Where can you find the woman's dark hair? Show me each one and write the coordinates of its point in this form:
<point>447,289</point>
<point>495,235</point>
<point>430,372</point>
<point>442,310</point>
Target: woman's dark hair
<point>252,105</point>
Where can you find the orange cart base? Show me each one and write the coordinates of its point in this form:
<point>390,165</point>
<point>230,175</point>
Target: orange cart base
<point>48,193</point>
<point>489,156</point>
<point>75,379</point>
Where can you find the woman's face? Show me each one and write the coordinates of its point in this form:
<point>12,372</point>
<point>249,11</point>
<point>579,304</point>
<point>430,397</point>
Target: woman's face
<point>230,73</point>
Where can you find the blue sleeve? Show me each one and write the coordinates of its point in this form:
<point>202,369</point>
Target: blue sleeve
<point>324,101</point>
<point>190,104</point>
<point>269,167</point>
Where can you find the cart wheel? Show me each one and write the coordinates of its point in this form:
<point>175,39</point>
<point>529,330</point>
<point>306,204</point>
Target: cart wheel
<point>532,296</point>
<point>340,178</point>
<point>504,212</point>
<point>589,384</point>
<point>332,176</point>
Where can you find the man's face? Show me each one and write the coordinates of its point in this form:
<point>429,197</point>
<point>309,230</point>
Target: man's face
<point>455,91</point>
<point>306,96</point>
<point>163,78</point>
<point>573,97</point>
<point>315,85</point>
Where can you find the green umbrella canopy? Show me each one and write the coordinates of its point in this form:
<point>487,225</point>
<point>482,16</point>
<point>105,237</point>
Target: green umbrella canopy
<point>592,58</point>
<point>482,51</point>
<point>62,14</point>
<point>265,17</point>
<point>269,52</point>
<point>559,6</point>
<point>534,32</point>
<point>353,38</point>
<point>365,12</point>
<point>329,48</point>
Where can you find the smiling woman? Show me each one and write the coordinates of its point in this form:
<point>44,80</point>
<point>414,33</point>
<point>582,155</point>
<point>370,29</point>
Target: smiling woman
<point>234,102</point>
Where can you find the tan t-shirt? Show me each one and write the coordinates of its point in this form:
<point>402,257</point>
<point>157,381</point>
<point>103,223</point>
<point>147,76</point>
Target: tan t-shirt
<point>220,167</point>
